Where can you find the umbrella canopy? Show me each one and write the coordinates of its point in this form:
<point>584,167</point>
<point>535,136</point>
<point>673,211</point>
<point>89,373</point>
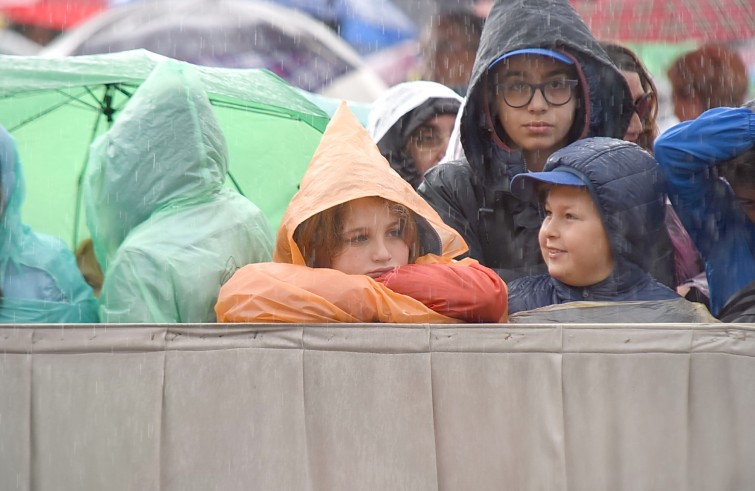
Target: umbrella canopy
<point>670,21</point>
<point>229,33</point>
<point>54,108</point>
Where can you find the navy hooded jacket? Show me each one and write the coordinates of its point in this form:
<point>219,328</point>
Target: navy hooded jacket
<point>473,195</point>
<point>627,187</point>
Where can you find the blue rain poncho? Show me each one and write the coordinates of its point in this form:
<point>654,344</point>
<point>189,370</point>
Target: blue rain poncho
<point>166,231</point>
<point>38,274</point>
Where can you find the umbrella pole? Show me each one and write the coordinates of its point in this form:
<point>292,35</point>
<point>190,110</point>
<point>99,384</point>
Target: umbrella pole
<point>107,110</point>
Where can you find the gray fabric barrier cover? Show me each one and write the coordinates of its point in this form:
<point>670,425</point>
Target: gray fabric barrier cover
<point>374,407</point>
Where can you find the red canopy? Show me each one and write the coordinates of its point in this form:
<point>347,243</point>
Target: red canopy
<point>669,21</point>
<point>51,14</point>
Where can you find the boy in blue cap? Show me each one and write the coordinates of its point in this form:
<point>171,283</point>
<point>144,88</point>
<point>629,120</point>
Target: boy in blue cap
<point>602,204</point>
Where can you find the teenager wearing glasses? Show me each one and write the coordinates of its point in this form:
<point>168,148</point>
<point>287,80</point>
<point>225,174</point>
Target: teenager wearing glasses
<point>540,81</point>
<point>642,128</point>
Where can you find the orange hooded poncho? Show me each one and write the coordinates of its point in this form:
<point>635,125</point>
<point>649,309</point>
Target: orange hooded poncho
<point>347,165</point>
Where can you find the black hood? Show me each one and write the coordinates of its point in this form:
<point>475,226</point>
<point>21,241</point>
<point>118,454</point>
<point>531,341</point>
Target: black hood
<point>606,107</point>
<point>628,188</point>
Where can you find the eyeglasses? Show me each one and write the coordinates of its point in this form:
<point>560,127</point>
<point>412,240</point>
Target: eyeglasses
<point>555,92</point>
<point>643,106</point>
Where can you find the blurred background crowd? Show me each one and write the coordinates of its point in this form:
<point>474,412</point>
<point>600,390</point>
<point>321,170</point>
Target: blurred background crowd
<point>354,49</point>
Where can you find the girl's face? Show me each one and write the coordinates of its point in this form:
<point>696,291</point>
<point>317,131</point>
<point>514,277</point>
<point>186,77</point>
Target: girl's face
<point>428,143</point>
<point>572,238</point>
<point>635,87</point>
<point>373,239</point>
<point>539,127</point>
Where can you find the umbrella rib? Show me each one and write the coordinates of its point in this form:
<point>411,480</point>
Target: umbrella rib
<point>105,111</point>
<point>55,107</point>
<point>235,183</point>
<point>269,112</point>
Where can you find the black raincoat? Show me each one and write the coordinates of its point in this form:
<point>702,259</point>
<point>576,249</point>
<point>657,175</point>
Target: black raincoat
<point>628,189</point>
<point>473,195</point>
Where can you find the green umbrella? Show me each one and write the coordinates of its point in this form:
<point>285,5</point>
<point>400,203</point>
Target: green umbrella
<point>55,107</point>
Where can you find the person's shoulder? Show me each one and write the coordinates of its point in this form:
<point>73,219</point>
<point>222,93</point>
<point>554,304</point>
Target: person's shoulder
<point>526,284</point>
<point>530,292</point>
<point>453,173</point>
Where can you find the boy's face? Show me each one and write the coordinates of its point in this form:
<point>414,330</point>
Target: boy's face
<point>373,239</point>
<point>538,128</point>
<point>572,238</point>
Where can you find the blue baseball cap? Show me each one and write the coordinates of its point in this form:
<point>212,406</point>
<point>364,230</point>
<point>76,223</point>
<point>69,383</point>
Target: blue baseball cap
<point>524,186</point>
<point>534,51</point>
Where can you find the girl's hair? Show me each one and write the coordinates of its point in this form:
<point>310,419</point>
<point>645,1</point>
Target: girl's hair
<point>320,237</point>
<point>713,74</point>
<point>626,60</point>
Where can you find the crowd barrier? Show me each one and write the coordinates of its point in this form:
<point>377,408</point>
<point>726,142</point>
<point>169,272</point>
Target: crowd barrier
<point>377,407</point>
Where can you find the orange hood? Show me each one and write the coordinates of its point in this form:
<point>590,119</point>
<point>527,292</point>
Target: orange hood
<point>347,165</point>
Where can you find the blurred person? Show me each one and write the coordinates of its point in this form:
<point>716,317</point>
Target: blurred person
<point>709,163</point>
<point>411,123</point>
<point>166,230</point>
<point>642,128</point>
<point>602,201</point>
<point>39,280</point>
<point>358,244</point>
<point>643,131</point>
<point>710,76</point>
<point>448,45</point>
<point>541,81</point>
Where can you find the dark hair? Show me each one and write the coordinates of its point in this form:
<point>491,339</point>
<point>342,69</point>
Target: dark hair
<point>713,74</point>
<point>432,45</point>
<point>320,237</point>
<point>464,18</point>
<point>741,169</point>
<point>626,60</point>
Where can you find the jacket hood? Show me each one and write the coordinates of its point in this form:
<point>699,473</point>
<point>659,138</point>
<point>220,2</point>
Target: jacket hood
<point>165,150</point>
<point>12,189</point>
<point>347,165</point>
<point>402,109</point>
<point>628,188</point>
<point>606,107</point>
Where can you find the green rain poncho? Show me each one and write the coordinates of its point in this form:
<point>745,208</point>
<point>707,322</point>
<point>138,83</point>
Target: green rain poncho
<point>38,275</point>
<point>166,231</point>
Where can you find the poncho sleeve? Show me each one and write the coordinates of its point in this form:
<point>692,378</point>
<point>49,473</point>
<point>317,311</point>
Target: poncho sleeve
<point>280,292</point>
<point>464,290</point>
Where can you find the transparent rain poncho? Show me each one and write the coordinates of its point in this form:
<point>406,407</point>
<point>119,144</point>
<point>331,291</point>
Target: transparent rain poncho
<point>38,274</point>
<point>166,231</point>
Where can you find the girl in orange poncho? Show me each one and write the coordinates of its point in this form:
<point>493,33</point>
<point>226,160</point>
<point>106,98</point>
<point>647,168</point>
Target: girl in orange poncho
<point>358,244</point>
